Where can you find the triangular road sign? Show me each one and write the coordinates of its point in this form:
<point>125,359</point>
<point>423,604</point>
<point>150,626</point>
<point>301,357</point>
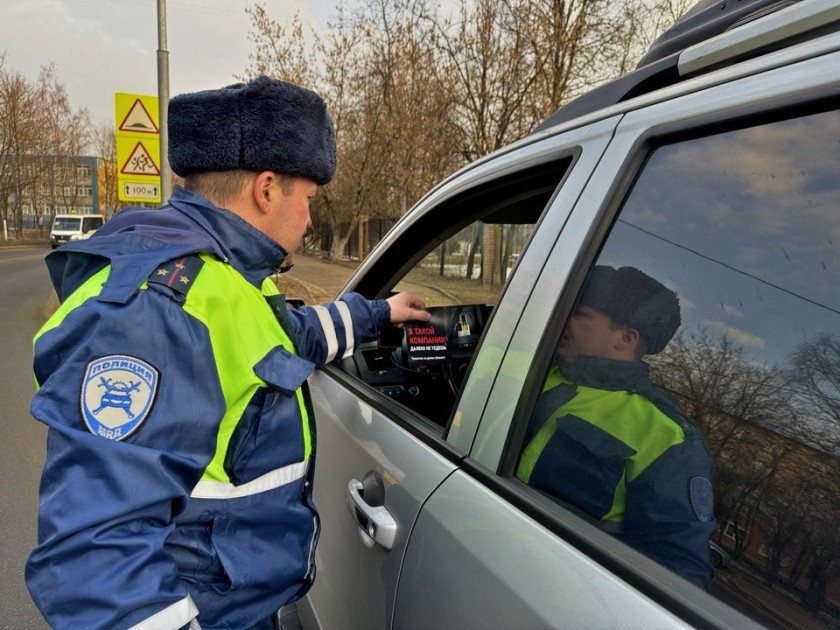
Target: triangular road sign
<point>138,120</point>
<point>140,162</point>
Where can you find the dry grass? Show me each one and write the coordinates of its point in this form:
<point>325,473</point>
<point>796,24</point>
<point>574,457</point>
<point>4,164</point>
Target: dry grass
<point>295,288</point>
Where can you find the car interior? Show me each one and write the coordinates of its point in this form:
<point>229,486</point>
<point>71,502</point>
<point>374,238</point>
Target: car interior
<point>423,366</point>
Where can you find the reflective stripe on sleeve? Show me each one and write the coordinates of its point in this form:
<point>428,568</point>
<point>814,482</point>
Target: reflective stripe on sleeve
<point>329,332</point>
<point>211,489</point>
<point>177,615</point>
<point>347,320</point>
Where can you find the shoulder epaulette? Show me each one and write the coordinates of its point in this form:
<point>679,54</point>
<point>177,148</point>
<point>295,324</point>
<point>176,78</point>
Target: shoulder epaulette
<point>177,274</point>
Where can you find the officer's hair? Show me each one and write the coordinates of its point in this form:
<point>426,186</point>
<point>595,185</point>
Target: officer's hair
<point>222,186</point>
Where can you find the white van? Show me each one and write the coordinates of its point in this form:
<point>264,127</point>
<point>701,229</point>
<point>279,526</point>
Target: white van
<point>71,227</point>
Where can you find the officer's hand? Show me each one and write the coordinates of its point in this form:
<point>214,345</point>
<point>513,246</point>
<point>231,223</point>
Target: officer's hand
<point>407,307</point>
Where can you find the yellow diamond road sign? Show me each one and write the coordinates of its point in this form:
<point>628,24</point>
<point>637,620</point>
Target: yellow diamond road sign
<point>138,147</point>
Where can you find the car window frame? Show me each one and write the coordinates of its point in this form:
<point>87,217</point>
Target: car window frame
<point>547,149</point>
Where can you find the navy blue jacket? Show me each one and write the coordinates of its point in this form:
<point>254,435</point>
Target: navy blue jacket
<point>177,482</point>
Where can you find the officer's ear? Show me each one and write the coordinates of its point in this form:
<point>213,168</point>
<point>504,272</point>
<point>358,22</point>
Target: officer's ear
<point>263,189</point>
<point>629,339</point>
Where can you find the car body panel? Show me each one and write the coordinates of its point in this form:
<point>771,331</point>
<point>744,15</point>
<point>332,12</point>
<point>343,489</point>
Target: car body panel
<point>626,152</point>
<point>355,583</point>
<point>521,284</point>
<point>501,570</point>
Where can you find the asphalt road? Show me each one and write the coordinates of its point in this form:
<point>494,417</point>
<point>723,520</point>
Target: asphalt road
<point>24,292</point>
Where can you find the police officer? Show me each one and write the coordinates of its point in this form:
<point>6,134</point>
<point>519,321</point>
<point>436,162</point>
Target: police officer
<point>604,439</point>
<point>177,488</point>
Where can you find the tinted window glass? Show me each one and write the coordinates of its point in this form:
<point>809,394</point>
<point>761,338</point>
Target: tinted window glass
<point>92,223</point>
<point>744,227</point>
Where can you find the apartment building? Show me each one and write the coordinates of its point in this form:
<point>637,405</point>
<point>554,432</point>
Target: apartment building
<point>42,186</point>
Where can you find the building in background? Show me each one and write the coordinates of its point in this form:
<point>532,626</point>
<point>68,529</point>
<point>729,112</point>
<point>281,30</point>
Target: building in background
<point>39,187</point>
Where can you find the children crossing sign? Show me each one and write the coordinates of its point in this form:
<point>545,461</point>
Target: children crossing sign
<point>140,162</point>
<point>138,147</point>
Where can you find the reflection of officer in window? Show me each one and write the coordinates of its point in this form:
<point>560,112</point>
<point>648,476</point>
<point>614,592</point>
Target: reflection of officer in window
<point>605,439</point>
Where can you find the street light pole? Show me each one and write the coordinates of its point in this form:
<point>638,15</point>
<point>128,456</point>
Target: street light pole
<point>163,102</point>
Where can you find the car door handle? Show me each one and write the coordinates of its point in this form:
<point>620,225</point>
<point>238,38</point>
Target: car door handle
<point>376,523</point>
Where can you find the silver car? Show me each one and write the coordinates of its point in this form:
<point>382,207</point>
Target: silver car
<point>714,168</point>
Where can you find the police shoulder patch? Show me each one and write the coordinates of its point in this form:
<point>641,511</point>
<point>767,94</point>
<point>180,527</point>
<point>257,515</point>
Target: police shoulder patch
<point>701,498</point>
<point>118,393</point>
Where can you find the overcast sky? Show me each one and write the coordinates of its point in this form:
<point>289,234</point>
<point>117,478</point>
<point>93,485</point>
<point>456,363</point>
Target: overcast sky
<point>105,46</point>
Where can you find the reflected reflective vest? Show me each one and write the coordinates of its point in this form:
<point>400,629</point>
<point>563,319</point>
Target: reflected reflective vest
<point>605,440</point>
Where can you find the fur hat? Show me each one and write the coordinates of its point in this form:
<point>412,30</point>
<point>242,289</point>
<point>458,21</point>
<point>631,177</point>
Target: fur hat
<point>631,298</point>
<point>263,125</point>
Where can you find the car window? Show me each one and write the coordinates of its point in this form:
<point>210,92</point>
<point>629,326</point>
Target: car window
<point>92,223</point>
<point>470,267</point>
<point>692,405</point>
<point>458,258</point>
<point>66,223</point>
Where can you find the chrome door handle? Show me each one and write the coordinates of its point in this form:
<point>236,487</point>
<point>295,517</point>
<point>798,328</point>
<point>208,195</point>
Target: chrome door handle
<point>376,523</point>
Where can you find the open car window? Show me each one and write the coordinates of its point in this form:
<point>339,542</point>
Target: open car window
<point>458,258</point>
<point>470,267</point>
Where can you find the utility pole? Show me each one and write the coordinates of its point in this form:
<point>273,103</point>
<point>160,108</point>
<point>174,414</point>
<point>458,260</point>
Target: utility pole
<point>163,103</point>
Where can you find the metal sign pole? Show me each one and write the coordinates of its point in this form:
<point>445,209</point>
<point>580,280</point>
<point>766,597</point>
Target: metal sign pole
<point>163,103</point>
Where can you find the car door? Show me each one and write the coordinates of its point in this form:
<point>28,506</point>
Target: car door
<point>386,441</point>
<point>727,193</point>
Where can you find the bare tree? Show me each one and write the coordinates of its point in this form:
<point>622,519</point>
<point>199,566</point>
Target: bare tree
<point>376,71</point>
<point>736,404</point>
<point>104,139</point>
<point>418,88</point>
<point>18,140</point>
<point>815,372</point>
<point>720,389</point>
<point>66,136</point>
<point>279,50</point>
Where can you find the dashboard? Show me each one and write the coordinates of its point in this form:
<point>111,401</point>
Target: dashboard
<point>423,364</point>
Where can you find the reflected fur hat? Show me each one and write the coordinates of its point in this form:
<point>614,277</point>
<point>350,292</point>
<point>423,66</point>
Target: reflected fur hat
<point>631,298</point>
<point>263,125</point>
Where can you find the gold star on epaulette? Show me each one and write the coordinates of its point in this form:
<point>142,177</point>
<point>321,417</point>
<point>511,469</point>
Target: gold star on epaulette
<point>184,280</point>
<point>162,272</point>
<point>180,266</point>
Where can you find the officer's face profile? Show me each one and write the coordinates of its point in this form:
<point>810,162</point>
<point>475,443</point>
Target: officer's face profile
<point>591,333</point>
<point>290,216</point>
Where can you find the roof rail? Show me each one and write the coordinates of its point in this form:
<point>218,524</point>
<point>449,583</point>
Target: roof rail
<point>706,36</point>
<point>768,32</point>
<point>706,19</point>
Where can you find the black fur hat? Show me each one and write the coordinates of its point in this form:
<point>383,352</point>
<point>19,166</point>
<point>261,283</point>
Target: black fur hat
<point>263,125</point>
<point>631,298</point>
